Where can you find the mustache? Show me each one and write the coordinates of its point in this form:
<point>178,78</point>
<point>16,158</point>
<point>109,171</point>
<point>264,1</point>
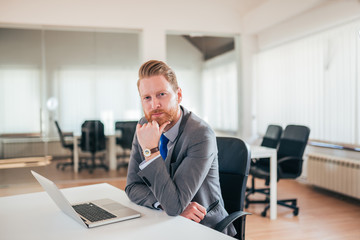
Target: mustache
<point>156,111</point>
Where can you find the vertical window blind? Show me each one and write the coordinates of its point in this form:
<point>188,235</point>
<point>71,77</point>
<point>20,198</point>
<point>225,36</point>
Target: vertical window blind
<point>97,94</point>
<point>19,99</point>
<point>313,81</point>
<point>220,101</point>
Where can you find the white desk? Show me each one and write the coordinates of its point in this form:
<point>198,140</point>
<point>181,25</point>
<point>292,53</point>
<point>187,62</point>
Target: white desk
<point>110,152</point>
<point>35,216</point>
<point>264,152</point>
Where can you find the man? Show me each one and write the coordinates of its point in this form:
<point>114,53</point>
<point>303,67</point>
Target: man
<point>173,163</point>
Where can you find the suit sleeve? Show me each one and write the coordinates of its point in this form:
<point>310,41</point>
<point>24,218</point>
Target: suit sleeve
<point>136,189</point>
<point>174,194</point>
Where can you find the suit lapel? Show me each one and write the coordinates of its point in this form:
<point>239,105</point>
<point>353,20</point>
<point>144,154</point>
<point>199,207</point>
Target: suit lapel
<point>169,159</point>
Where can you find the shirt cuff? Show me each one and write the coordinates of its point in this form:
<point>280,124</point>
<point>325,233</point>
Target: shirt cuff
<point>144,163</point>
<point>157,206</point>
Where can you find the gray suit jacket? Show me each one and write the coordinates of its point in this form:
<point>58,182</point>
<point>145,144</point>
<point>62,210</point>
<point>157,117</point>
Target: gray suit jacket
<point>189,174</point>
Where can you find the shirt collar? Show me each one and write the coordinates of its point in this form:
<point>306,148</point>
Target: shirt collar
<point>172,133</point>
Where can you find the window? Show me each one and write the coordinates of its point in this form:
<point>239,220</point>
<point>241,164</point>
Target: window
<point>313,81</point>
<point>92,75</point>
<point>97,94</point>
<point>20,107</point>
<point>219,83</point>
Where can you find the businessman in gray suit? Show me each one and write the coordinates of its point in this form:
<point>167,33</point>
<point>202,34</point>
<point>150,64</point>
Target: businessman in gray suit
<point>173,163</point>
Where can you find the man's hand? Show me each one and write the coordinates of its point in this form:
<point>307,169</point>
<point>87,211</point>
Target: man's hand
<point>194,211</point>
<point>149,134</point>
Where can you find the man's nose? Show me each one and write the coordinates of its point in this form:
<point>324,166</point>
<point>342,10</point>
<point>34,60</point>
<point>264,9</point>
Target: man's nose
<point>155,103</point>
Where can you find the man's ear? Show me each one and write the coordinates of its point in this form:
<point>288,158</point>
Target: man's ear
<point>179,95</point>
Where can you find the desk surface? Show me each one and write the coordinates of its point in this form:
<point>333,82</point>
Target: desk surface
<point>262,152</point>
<point>35,215</point>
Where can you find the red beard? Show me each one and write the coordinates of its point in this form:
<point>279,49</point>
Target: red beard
<point>167,116</point>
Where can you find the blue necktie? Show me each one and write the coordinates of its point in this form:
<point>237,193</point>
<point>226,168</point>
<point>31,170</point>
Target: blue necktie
<point>163,146</point>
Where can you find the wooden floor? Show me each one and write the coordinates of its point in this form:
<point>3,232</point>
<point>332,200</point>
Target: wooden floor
<point>323,215</point>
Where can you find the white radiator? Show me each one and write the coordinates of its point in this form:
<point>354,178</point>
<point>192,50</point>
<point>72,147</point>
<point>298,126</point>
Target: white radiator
<point>337,174</point>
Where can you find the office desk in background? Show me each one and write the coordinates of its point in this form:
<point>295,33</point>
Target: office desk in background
<point>35,216</point>
<point>265,152</point>
<point>110,152</point>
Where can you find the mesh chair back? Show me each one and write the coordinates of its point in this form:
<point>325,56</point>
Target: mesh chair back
<point>92,136</point>
<point>234,164</point>
<point>126,131</point>
<point>272,136</point>
<point>292,144</point>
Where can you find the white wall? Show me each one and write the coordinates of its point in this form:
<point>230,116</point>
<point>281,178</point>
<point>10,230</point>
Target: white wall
<point>185,15</point>
<point>28,44</point>
<point>312,21</point>
<point>273,12</point>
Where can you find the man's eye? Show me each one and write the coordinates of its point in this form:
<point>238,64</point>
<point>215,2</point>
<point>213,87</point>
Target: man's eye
<point>147,98</point>
<point>162,94</point>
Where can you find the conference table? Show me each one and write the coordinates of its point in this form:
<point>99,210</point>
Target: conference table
<point>265,152</point>
<point>35,216</point>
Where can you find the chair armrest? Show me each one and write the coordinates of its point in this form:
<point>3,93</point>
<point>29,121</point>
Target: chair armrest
<point>229,219</point>
<point>290,158</point>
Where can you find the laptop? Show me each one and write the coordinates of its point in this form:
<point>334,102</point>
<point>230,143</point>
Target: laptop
<point>90,214</point>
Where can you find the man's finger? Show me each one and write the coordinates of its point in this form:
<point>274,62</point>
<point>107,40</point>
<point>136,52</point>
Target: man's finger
<point>203,210</point>
<point>196,218</point>
<point>199,215</point>
<point>200,208</point>
<point>155,123</point>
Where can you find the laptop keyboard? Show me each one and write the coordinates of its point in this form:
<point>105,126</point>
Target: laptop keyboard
<point>92,212</point>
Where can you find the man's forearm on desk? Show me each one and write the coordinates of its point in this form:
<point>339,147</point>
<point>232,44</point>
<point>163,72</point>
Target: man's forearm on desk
<point>140,194</point>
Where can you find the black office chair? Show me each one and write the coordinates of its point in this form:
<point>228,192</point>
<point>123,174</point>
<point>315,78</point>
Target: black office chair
<point>67,145</point>
<point>125,131</point>
<point>272,136</point>
<point>234,164</point>
<point>270,140</point>
<point>93,140</point>
<point>289,164</point>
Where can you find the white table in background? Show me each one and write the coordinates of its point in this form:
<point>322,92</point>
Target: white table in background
<point>264,152</point>
<point>35,216</point>
<point>110,152</point>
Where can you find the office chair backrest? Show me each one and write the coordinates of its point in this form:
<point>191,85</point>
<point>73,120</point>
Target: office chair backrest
<point>62,138</point>
<point>292,144</point>
<point>92,136</point>
<point>272,136</point>
<point>234,165</point>
<point>127,129</point>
